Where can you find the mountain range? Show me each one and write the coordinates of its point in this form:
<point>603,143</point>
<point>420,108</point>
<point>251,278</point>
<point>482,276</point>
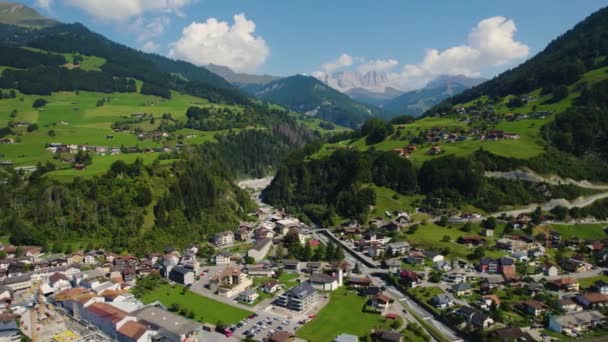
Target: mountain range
<point>18,14</point>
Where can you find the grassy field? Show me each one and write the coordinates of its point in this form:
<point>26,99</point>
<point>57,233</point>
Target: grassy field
<point>388,200</point>
<point>582,231</point>
<point>431,236</point>
<point>343,314</point>
<point>588,282</point>
<point>206,310</point>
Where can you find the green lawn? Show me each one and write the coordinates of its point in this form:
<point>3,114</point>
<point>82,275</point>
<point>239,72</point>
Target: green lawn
<point>588,282</point>
<point>582,231</point>
<point>424,294</point>
<point>343,314</point>
<point>288,280</point>
<point>206,310</point>
<point>388,200</point>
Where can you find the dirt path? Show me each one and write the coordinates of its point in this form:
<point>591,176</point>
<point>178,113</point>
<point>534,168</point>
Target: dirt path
<point>536,178</point>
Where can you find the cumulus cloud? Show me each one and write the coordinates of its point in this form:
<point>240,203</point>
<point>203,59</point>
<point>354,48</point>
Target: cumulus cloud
<point>344,60</point>
<point>217,42</point>
<point>490,44</point>
<point>120,10</point>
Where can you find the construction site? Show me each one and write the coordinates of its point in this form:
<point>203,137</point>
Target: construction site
<point>42,322</point>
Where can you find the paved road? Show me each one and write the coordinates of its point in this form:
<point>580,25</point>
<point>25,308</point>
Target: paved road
<point>536,178</point>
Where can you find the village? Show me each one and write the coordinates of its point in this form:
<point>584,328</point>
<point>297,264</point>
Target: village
<point>522,288</point>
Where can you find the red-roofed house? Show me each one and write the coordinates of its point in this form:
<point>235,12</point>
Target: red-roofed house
<point>411,278</point>
<point>134,332</point>
<point>105,317</point>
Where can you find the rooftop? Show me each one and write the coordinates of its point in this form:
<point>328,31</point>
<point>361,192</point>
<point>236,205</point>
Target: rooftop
<point>167,320</point>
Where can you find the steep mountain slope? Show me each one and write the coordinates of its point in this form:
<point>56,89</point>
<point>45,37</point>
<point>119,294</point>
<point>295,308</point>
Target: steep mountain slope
<point>240,79</point>
<point>18,14</point>
<point>308,95</point>
<point>418,101</point>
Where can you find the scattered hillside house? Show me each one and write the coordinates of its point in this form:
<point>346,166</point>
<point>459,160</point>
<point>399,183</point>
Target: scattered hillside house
<point>601,287</point>
<point>550,270</point>
<point>393,265</point>
<point>5,293</point>
<point>533,307</point>
<point>292,266</point>
<point>575,266</point>
<point>442,301</point>
<point>415,257</point>
<point>489,300</point>
<point>410,278</point>
<point>260,249</point>
<point>271,286</point>
<point>314,267</point>
<point>568,304</point>
<point>471,240</point>
<point>434,150</point>
<point>576,323</point>
<point>245,231</point>
<point>397,248</point>
<point>263,233</point>
<point>224,238</point>
<point>172,327</point>
<point>443,266</point>
<point>567,284</point>
<point>510,334</point>
<point>434,256</point>
<point>592,300</point>
<point>380,302</point>
<point>375,251</point>
<point>474,317</point>
<point>59,282</point>
<point>299,298</point>
<point>455,278</point>
<point>359,282</point>
<point>461,289</point>
<point>488,265</point>
<point>182,275</point>
<point>248,296</point>
<point>229,282</point>
<point>369,291</point>
<point>224,258</point>
<point>325,282</point>
<point>343,265</point>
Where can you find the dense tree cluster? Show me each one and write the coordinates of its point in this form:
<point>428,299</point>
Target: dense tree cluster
<point>375,130</point>
<point>194,198</point>
<point>338,183</point>
<point>152,89</point>
<point>21,58</point>
<point>218,118</point>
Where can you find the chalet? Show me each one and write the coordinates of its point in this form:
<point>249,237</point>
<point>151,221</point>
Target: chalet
<point>224,238</point>
<point>380,302</point>
<point>358,282</point>
<point>393,265</point>
<point>443,266</point>
<point>434,150</point>
<point>490,300</point>
<point>415,257</point>
<point>533,307</point>
<point>471,240</point>
<point>601,287</point>
<point>592,300</point>
<point>461,289</point>
<point>573,324</point>
<point>433,256</point>
<point>488,265</point>
<point>271,286</point>
<point>325,282</point>
<point>410,278</point>
<point>292,266</point>
<point>568,304</point>
<point>248,296</point>
<point>474,317</point>
<point>369,291</point>
<point>550,270</point>
<point>223,259</point>
<point>567,284</point>
<point>575,266</point>
<point>442,301</point>
<point>181,275</point>
<point>314,267</point>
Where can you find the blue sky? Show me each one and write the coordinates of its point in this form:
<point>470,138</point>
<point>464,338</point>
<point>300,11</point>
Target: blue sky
<point>300,36</point>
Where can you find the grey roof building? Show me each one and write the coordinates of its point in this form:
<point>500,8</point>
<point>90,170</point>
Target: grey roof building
<point>299,298</point>
<point>169,325</point>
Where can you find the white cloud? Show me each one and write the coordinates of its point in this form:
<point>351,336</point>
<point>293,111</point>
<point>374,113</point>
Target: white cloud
<point>44,4</point>
<point>120,10</point>
<point>377,65</point>
<point>147,29</point>
<point>150,46</point>
<point>490,44</point>
<point>344,60</point>
<point>217,42</point>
